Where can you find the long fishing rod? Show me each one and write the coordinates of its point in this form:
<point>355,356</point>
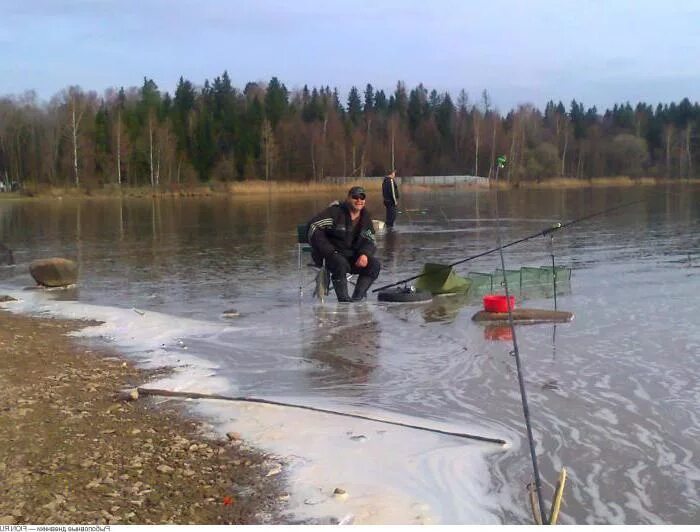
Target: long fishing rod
<point>545,232</point>
<point>197,395</point>
<point>516,353</point>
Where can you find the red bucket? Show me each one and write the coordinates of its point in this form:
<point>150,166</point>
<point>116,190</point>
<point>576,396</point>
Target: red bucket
<point>497,303</point>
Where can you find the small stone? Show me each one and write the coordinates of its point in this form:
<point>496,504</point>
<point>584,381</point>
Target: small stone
<point>163,468</point>
<point>275,470</point>
<point>231,313</point>
<point>340,493</point>
<point>135,431</point>
<point>130,394</point>
<point>233,436</point>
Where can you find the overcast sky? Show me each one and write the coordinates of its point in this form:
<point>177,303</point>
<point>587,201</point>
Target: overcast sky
<point>599,52</point>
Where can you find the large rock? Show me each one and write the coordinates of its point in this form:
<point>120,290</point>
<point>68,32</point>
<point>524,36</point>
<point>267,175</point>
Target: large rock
<point>54,272</point>
<point>6,255</point>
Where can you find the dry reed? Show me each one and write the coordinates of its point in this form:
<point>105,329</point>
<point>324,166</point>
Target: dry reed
<point>261,189</point>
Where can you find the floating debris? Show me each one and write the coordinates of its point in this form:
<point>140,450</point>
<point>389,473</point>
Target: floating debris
<point>340,493</point>
<point>551,384</point>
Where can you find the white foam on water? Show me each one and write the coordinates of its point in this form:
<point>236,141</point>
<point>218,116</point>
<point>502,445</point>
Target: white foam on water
<point>391,475</point>
<point>153,339</point>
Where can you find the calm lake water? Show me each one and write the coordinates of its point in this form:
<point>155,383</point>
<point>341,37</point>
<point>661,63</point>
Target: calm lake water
<point>614,395</point>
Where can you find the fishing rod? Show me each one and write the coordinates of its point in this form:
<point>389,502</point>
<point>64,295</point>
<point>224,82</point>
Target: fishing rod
<point>247,399</point>
<point>556,227</point>
<point>447,220</point>
<point>516,353</point>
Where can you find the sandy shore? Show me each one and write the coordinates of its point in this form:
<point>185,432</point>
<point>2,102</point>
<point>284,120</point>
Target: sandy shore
<point>72,451</point>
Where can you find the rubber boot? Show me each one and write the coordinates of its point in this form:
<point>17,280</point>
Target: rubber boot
<point>341,290</point>
<point>363,284</point>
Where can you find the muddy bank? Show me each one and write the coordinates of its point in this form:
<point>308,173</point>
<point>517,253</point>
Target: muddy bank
<point>72,452</point>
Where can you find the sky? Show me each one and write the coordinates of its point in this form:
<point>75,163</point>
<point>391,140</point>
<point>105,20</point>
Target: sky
<point>599,52</point>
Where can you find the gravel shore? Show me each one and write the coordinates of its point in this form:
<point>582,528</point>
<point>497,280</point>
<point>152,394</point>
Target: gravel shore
<point>72,451</point>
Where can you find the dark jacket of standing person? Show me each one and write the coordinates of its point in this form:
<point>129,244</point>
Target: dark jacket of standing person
<point>344,245</point>
<point>390,192</point>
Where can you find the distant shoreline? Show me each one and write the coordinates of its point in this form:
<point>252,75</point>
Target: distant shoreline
<point>259,188</point>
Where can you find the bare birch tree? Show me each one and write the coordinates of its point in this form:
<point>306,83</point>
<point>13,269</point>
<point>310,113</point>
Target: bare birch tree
<point>77,110</point>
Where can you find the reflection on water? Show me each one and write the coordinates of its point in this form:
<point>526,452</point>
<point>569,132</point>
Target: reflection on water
<point>445,307</point>
<point>344,346</point>
<point>498,332</point>
<point>613,395</point>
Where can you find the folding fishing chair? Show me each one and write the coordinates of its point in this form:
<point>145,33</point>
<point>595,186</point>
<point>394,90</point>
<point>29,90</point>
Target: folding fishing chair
<point>322,278</point>
<point>322,275</point>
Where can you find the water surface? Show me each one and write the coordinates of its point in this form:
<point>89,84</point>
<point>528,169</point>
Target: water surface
<point>613,395</point>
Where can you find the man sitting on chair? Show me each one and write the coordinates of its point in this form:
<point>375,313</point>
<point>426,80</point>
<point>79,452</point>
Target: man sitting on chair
<point>343,236</point>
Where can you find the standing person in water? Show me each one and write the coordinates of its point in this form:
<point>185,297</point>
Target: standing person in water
<point>343,236</point>
<point>390,192</point>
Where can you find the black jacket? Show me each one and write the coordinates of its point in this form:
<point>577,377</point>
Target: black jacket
<point>331,230</point>
<point>390,191</point>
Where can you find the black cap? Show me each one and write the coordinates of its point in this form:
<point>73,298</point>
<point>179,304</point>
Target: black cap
<point>356,190</point>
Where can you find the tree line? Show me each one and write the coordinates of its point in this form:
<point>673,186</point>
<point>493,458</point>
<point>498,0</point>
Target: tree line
<point>217,132</point>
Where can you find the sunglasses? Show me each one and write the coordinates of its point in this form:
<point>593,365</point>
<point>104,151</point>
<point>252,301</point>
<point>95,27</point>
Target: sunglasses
<point>358,196</point>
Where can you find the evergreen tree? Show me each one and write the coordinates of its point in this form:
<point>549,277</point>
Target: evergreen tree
<point>577,117</point>
<point>369,99</point>
<point>381,104</point>
<point>417,107</point>
<point>354,106</point>
<point>183,107</point>
<point>398,102</point>
<point>444,118</point>
<point>276,101</point>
